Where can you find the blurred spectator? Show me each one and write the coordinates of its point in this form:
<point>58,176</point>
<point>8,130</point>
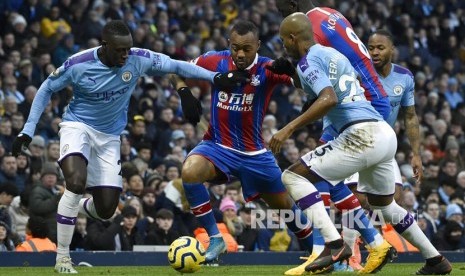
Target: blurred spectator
<point>10,88</point>
<point>6,243</point>
<point>450,237</point>
<point>19,213</point>
<point>64,50</point>
<point>37,149</point>
<point>79,241</point>
<point>45,197</point>
<point>53,26</point>
<point>277,238</point>
<point>8,172</point>
<point>162,232</point>
<point>37,240</point>
<point>25,75</point>
<point>148,201</point>
<point>248,237</point>
<point>8,191</point>
<point>135,185</point>
<point>230,218</point>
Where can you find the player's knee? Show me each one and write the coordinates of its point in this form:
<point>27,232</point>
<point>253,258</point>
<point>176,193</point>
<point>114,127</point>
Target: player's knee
<point>399,197</point>
<point>105,210</point>
<point>190,174</point>
<point>287,177</point>
<point>105,213</point>
<point>76,183</point>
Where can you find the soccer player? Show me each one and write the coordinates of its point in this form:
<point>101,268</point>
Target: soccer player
<point>366,144</point>
<point>103,79</point>
<point>332,29</point>
<point>233,144</point>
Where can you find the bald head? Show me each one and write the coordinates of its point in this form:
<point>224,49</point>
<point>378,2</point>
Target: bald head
<point>298,25</point>
<point>296,33</point>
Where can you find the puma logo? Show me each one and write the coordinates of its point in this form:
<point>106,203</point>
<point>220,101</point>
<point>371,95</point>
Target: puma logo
<point>91,79</point>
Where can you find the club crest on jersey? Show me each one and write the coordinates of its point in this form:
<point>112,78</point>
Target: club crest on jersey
<point>127,76</point>
<point>222,96</point>
<point>65,149</point>
<point>255,80</point>
<point>398,89</point>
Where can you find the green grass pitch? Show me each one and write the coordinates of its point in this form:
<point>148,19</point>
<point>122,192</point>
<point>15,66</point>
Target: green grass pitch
<point>389,269</point>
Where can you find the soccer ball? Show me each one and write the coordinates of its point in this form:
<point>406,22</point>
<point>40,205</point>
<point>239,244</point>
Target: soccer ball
<point>186,254</point>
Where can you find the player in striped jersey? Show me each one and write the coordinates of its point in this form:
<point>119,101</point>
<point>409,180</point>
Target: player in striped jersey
<point>233,144</point>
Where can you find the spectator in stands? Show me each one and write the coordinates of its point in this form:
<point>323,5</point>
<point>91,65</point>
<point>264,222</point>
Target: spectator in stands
<point>135,185</point>
<point>10,88</point>
<point>230,218</point>
<point>5,133</point>
<point>45,197</point>
<point>8,172</point>
<point>8,191</point>
<point>6,243</point>
<point>248,237</point>
<point>25,75</point>
<point>19,214</point>
<point>38,237</point>
<point>162,233</point>
<point>79,241</point>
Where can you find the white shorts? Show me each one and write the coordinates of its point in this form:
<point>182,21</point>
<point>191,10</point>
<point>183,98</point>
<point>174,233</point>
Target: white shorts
<point>101,151</point>
<point>367,148</point>
<point>353,179</point>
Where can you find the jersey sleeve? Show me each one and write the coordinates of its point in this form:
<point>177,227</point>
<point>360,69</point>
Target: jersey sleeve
<point>408,98</point>
<point>56,81</point>
<point>313,76</point>
<point>208,60</point>
<point>161,64</point>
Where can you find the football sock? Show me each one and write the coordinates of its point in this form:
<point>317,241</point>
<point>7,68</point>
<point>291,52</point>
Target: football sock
<point>318,240</point>
<point>353,215</point>
<point>66,217</point>
<point>199,200</point>
<point>405,224</point>
<point>301,227</point>
<point>87,207</point>
<point>308,199</point>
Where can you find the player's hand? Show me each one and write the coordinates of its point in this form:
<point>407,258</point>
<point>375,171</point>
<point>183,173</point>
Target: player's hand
<point>21,141</point>
<point>282,66</point>
<point>231,79</point>
<point>279,138</point>
<point>417,168</point>
<point>191,107</point>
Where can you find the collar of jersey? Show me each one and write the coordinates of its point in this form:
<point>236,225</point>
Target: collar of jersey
<point>251,65</point>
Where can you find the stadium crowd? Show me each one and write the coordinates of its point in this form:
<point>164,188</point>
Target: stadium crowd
<point>37,36</point>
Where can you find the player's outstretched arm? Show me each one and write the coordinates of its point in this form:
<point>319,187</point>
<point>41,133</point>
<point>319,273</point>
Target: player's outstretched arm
<point>191,106</point>
<point>55,82</point>
<point>190,70</point>
<point>413,134</point>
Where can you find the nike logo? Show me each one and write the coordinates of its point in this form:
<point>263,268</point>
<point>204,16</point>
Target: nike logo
<point>335,258</point>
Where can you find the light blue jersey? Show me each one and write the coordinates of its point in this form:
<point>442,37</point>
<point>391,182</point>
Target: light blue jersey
<point>101,93</point>
<point>400,87</point>
<point>325,66</point>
